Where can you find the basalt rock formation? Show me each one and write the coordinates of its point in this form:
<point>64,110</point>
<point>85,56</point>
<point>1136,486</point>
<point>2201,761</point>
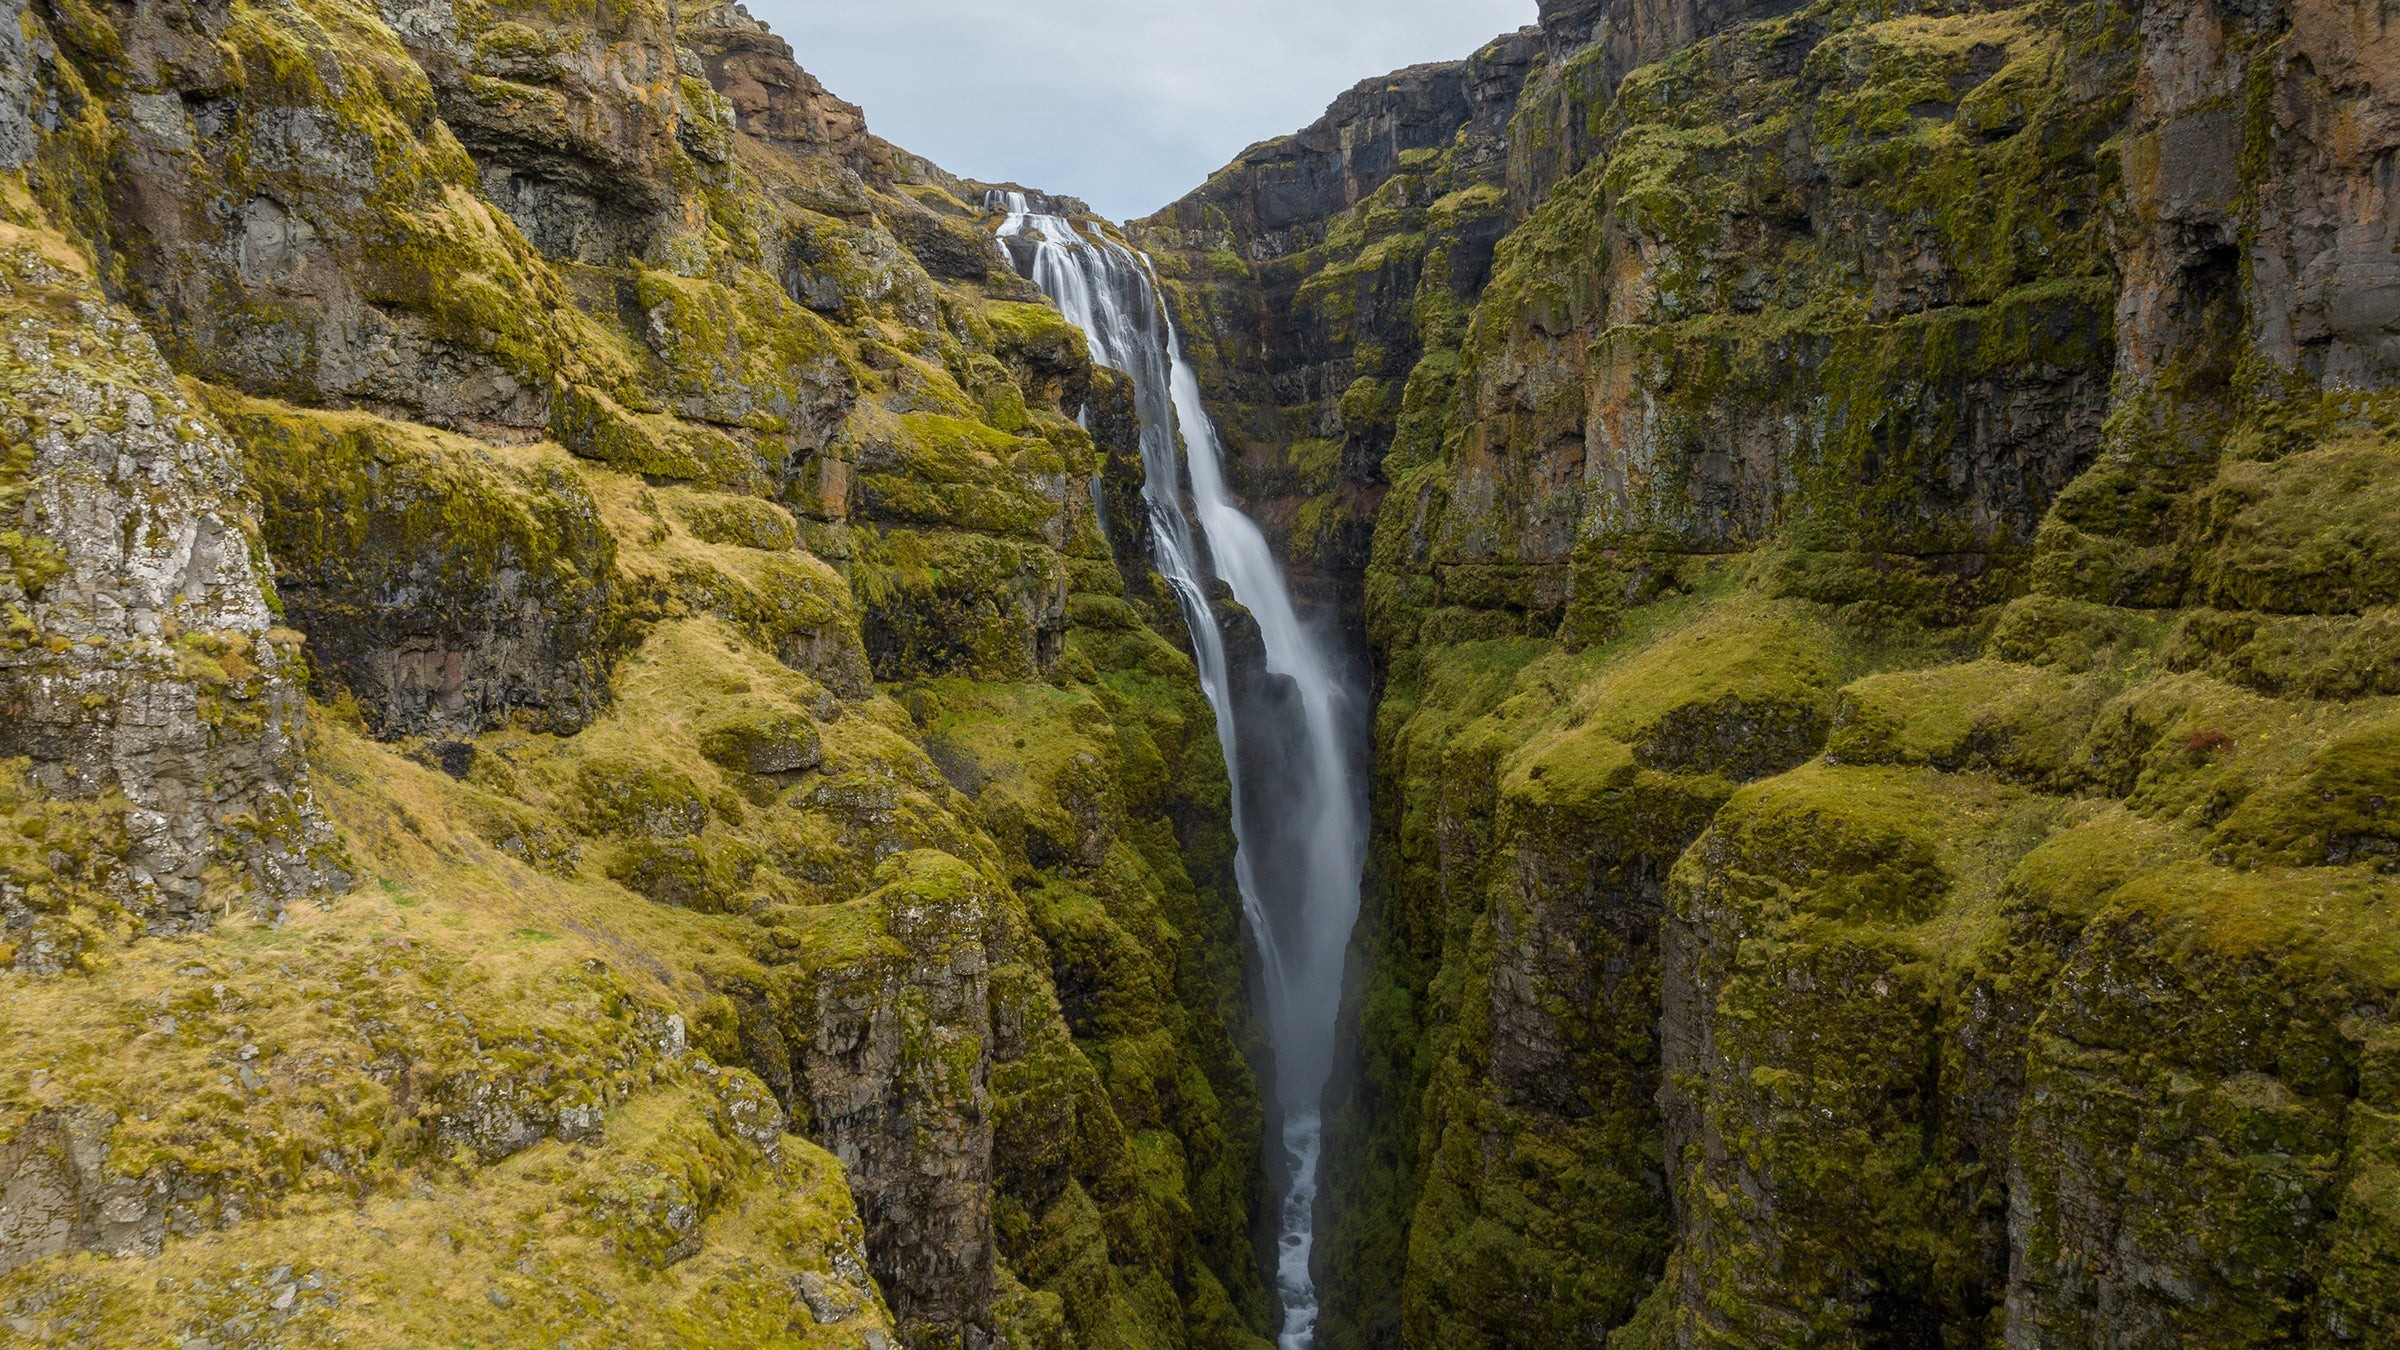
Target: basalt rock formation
<point>580,766</point>
<point>1869,526</point>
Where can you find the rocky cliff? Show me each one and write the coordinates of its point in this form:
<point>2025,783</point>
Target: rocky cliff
<point>578,763</point>
<point>1870,524</point>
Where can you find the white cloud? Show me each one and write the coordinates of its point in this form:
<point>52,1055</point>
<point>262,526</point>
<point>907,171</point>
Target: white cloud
<point>1125,103</point>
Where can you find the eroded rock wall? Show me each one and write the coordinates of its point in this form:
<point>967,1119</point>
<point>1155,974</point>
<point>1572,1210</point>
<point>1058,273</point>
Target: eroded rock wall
<point>142,666</point>
<point>1312,274</point>
<point>797,878</point>
<point>1862,644</point>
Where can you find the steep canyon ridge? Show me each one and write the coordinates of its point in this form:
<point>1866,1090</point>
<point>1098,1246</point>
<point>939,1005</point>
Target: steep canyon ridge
<point>631,717</point>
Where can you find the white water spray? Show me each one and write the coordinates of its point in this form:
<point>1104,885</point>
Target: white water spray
<point>1300,855</point>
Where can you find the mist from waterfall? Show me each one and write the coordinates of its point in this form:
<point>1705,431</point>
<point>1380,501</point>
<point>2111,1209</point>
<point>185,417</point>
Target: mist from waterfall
<point>1298,804</point>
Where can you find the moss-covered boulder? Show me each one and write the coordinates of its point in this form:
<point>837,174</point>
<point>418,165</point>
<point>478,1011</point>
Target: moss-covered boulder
<point>773,744</point>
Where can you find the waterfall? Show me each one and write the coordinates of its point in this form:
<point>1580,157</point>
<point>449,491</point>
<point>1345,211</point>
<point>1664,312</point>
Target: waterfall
<point>1300,829</point>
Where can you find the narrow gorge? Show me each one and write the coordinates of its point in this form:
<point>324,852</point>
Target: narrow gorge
<point>1725,675</point>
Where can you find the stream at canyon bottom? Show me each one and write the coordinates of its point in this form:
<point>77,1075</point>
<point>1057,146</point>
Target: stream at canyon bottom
<point>1298,809</point>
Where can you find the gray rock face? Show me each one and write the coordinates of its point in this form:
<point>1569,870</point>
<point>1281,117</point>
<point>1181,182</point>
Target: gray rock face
<point>773,98</point>
<point>433,628</point>
<point>57,1195</point>
<point>1316,339</point>
<point>2317,245</point>
<point>1280,195</point>
<point>575,126</point>
<point>16,86</point>
<point>292,243</point>
<point>887,1062</point>
<point>142,659</point>
<point>1354,148</point>
<point>1571,23</point>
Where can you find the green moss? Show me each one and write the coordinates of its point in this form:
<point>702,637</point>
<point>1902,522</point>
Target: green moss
<point>1742,692</point>
<point>2310,533</point>
<point>530,837</point>
<point>2252,1085</point>
<point>62,873</point>
<point>31,562</point>
<point>1037,335</point>
<point>2336,811</point>
<point>2293,656</point>
<point>742,354</point>
<point>2086,900</point>
<point>773,743</point>
<point>2073,635</point>
<point>738,522</point>
<point>1854,843</point>
<point>2025,722</point>
<point>382,531</point>
<point>504,1261</point>
<point>937,470</point>
<point>663,449</point>
<point>808,851</point>
<point>628,798</point>
<point>1822,923</point>
<point>713,875</point>
<point>941,602</point>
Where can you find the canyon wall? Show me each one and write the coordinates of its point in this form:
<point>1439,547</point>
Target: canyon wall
<point>752,864</point>
<point>1872,529</point>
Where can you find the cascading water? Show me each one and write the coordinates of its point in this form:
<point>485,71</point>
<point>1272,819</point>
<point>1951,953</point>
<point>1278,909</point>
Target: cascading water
<point>1301,828</point>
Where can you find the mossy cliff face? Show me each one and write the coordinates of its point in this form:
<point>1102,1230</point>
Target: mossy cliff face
<point>789,876</point>
<point>1872,528</point>
<point>1877,597</point>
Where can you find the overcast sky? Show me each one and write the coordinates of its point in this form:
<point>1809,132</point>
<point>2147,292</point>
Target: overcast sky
<point>1127,104</point>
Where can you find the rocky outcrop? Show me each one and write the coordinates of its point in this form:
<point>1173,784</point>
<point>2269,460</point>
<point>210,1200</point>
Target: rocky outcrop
<point>141,665</point>
<point>453,592</point>
<point>889,1053</point>
<point>59,1198</point>
<point>298,236</point>
<point>1281,195</point>
<point>773,99</point>
<point>17,74</point>
<point>2289,150</point>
